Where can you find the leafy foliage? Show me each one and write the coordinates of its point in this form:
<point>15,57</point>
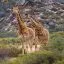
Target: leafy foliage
<point>42,57</point>
<point>53,53</point>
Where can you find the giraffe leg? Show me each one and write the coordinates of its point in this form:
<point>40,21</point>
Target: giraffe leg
<point>23,49</point>
<point>33,48</point>
<point>27,48</point>
<point>30,46</point>
<point>37,47</point>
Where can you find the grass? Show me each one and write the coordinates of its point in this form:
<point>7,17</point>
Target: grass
<point>56,45</point>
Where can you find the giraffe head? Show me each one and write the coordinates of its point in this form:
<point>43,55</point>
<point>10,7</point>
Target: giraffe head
<point>35,23</point>
<point>16,9</point>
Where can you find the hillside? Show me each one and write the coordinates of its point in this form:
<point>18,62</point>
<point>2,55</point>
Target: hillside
<point>51,15</point>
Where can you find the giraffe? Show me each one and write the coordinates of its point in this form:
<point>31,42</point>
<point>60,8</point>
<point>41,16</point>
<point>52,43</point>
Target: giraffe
<point>41,33</point>
<point>25,33</point>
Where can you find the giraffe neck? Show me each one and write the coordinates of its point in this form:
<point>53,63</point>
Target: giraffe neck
<point>21,24</point>
<point>37,25</point>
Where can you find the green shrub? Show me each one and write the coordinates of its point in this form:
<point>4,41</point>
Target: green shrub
<point>9,47</point>
<point>42,57</point>
<point>9,52</point>
<point>53,53</point>
<point>57,41</point>
<point>59,62</point>
<point>56,44</point>
<point>10,41</point>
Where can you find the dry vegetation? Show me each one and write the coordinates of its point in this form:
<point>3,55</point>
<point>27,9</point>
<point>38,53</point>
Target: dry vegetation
<point>53,52</point>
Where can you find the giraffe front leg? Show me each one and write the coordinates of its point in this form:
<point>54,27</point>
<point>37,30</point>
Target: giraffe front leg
<point>33,48</point>
<point>27,48</point>
<point>23,49</point>
<point>37,47</point>
<point>30,48</point>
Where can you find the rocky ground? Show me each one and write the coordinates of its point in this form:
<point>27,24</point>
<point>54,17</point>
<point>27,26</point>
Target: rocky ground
<point>51,15</point>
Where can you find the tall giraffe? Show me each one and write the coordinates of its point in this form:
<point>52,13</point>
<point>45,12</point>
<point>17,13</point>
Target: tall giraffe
<point>41,33</point>
<point>27,34</point>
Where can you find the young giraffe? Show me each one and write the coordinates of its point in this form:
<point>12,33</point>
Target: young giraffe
<point>26,34</point>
